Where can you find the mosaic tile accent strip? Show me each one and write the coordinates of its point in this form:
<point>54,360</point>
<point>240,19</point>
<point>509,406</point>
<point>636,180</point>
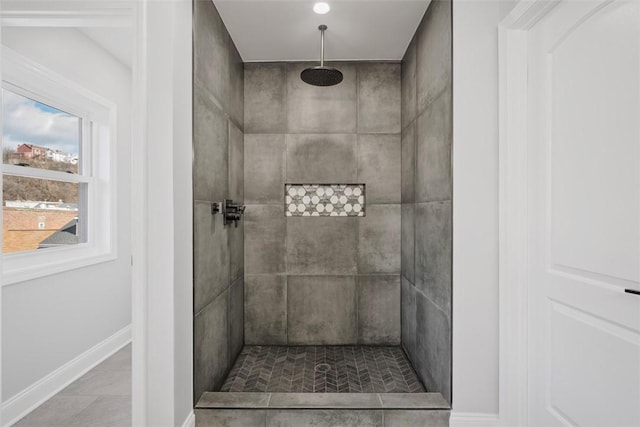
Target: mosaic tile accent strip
<point>324,200</point>
<point>322,369</point>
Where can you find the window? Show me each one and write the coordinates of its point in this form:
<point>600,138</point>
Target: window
<point>57,158</point>
<point>41,209</point>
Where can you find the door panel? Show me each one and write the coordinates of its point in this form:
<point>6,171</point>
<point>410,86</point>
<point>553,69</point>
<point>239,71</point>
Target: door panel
<point>593,135</point>
<point>584,172</point>
<point>611,387</point>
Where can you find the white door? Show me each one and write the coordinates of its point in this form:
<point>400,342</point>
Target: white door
<point>584,224</point>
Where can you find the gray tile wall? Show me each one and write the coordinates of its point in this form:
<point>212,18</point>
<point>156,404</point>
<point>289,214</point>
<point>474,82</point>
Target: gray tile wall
<point>426,287</point>
<point>322,280</point>
<point>218,173</point>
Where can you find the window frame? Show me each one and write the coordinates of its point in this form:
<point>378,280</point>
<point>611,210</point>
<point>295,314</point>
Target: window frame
<point>96,170</point>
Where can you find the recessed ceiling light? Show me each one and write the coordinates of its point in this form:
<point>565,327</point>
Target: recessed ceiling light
<point>321,8</point>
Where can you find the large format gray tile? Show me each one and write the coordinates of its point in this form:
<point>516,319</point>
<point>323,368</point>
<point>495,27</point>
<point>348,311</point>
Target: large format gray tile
<point>264,168</point>
<point>407,246</point>
<point>236,163</point>
<point>416,418</point>
<point>379,240</point>
<point>433,252</point>
<point>210,342</point>
<point>321,310</point>
<point>321,159</point>
<point>433,336</point>
<point>408,162</point>
<point>236,318</point>
<point>321,245</point>
<point>379,167</point>
<point>100,383</point>
<point>235,103</point>
<point>408,314</point>
<point>321,109</point>
<point>324,418</point>
<point>210,256</point>
<point>211,51</point>
<point>235,234</point>
<point>221,400</point>
<point>378,98</point>
<point>264,98</point>
<point>433,152</point>
<point>433,67</point>
<point>265,310</point>
<point>210,146</point>
<point>56,411</point>
<point>230,418</point>
<point>413,401</point>
<point>325,400</point>
<point>106,411</point>
<point>379,310</point>
<point>408,85</point>
<point>264,243</point>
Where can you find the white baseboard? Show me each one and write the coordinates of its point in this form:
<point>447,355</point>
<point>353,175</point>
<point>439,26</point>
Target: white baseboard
<point>190,421</point>
<point>464,419</point>
<point>39,392</point>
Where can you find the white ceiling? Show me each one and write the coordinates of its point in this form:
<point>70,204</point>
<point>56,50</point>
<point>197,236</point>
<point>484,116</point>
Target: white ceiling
<point>287,30</point>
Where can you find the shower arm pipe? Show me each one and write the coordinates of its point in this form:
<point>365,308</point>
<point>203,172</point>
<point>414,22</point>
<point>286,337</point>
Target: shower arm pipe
<point>322,29</point>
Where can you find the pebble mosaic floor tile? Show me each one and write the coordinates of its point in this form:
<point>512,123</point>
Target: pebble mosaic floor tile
<point>324,200</point>
<point>322,369</point>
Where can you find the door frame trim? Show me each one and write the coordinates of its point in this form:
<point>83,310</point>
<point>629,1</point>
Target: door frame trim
<point>513,213</point>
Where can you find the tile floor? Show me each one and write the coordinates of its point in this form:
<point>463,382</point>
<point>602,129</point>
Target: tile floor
<point>322,369</point>
<point>100,398</point>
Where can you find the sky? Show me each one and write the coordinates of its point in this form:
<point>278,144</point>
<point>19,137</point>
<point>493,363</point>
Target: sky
<point>26,121</point>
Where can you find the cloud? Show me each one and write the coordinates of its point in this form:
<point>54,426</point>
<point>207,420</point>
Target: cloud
<point>27,121</point>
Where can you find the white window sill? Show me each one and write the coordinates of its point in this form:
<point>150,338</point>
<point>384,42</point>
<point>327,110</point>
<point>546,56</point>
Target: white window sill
<point>30,265</point>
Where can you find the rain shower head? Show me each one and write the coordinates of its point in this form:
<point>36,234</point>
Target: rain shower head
<point>321,75</point>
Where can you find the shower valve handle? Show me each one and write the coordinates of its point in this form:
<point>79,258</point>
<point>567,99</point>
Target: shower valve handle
<point>232,212</point>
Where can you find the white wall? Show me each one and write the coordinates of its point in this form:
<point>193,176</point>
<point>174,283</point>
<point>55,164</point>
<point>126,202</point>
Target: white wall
<point>49,321</point>
<point>169,230</point>
<point>475,204</point>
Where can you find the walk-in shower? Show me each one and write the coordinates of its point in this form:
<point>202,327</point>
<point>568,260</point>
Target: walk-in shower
<point>334,290</point>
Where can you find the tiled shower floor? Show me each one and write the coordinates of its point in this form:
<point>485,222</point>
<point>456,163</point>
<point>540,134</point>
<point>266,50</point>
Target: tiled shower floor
<point>322,369</point>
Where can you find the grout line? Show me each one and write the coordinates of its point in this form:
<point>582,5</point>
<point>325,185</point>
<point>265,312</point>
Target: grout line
<point>286,309</point>
<point>285,69</point>
<point>357,100</point>
<point>358,335</point>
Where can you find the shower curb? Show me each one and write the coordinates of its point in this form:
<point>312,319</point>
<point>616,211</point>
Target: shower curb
<point>246,409</point>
